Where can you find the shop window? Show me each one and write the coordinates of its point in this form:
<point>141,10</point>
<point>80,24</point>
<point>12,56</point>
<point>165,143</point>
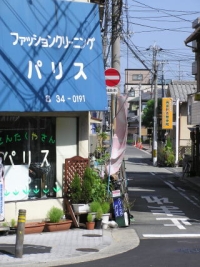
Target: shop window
<point>29,148</point>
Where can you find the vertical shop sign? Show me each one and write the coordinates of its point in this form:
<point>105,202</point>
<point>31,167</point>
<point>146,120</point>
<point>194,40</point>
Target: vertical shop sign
<point>1,186</point>
<point>167,113</point>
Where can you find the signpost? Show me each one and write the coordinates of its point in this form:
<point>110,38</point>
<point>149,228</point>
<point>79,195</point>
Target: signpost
<point>112,77</point>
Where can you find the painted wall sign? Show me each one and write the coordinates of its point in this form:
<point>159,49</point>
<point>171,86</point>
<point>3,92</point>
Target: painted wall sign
<point>51,57</point>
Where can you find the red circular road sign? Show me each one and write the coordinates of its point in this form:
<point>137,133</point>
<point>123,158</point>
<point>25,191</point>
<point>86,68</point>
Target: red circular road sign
<point>112,77</point>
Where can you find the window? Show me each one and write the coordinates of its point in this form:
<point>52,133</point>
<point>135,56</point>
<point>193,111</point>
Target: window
<point>137,77</point>
<point>29,148</point>
<point>132,92</point>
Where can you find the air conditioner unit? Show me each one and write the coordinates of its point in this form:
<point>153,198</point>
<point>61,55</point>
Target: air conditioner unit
<point>196,23</point>
<point>194,68</point>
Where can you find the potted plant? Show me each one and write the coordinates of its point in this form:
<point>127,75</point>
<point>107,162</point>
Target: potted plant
<point>94,206</point>
<point>98,219</point>
<point>90,223</point>
<point>76,195</point>
<point>56,221</point>
<point>105,209</point>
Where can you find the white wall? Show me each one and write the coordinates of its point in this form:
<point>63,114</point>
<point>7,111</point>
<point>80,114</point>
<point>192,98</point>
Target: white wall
<point>66,145</point>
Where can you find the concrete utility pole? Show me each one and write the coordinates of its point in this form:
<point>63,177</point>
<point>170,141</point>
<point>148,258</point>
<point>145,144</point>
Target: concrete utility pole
<point>140,113</point>
<point>116,26</point>
<point>155,50</point>
<point>116,29</point>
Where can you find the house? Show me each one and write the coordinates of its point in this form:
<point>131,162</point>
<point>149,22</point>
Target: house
<point>139,89</point>
<point>179,90</point>
<point>193,41</point>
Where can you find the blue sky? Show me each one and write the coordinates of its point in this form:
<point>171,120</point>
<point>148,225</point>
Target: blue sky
<point>165,24</point>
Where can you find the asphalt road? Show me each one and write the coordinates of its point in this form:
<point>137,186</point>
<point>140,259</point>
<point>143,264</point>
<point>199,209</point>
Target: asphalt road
<point>166,218</point>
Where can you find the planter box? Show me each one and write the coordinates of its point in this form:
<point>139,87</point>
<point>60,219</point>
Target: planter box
<point>34,227</point>
<point>81,208</point>
<point>60,226</point>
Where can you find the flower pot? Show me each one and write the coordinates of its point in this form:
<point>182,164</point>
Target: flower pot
<point>60,226</point>
<point>90,225</point>
<point>80,208</point>
<point>98,224</point>
<point>105,217</point>
<point>34,227</point>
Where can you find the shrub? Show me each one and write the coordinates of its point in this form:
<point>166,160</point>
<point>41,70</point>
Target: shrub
<point>99,214</point>
<point>75,189</point>
<point>105,207</point>
<point>89,217</point>
<point>94,206</point>
<point>55,214</point>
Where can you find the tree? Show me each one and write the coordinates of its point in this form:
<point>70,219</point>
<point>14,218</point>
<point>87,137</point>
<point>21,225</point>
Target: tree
<point>148,113</point>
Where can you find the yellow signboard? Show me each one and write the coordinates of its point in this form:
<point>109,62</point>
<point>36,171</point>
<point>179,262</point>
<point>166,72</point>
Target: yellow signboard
<point>167,113</point>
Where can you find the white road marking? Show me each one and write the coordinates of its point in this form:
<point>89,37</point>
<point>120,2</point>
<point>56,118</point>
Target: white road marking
<point>171,186</point>
<point>171,235</point>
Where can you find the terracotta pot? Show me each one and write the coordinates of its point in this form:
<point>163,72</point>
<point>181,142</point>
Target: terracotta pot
<point>90,225</point>
<point>60,226</point>
<point>34,227</point>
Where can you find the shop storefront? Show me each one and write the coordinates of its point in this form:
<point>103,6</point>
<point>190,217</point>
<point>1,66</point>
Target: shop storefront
<point>52,77</point>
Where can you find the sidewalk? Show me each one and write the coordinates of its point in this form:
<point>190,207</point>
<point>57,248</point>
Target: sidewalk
<point>67,247</point>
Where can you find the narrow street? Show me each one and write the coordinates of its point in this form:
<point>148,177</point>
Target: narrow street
<point>166,217</point>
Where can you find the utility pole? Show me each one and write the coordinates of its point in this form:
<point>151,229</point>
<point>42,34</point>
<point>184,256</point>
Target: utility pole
<point>155,126</point>
<point>116,28</point>
<point>155,50</point>
<point>140,117</point>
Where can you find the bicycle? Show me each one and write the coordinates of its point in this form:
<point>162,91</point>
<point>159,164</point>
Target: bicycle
<point>122,184</point>
<point>187,169</point>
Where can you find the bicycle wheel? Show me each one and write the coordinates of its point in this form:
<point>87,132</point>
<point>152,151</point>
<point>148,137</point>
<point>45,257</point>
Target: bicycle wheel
<point>186,170</point>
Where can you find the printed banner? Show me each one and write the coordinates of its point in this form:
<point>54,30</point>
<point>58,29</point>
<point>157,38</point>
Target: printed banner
<point>120,137</point>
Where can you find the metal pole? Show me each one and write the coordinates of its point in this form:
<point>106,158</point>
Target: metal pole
<point>20,234</point>
<point>155,112</point>
<point>140,117</point>
<point>177,130</point>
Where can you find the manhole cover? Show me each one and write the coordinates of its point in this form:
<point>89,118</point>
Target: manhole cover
<point>188,250</point>
<point>87,249</point>
<point>93,235</point>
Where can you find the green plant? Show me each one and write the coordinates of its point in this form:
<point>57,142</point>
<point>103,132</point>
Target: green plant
<point>13,223</point>
<point>94,206</point>
<point>55,214</point>
<point>87,184</point>
<point>99,190</point>
<point>89,217</point>
<point>99,214</point>
<point>75,189</point>
<point>105,207</point>
<point>4,224</point>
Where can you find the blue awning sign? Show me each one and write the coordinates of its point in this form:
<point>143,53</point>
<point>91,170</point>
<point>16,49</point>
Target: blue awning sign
<point>51,57</point>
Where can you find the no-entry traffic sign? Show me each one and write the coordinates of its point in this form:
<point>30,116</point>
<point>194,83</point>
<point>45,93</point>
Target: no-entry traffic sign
<point>112,77</point>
